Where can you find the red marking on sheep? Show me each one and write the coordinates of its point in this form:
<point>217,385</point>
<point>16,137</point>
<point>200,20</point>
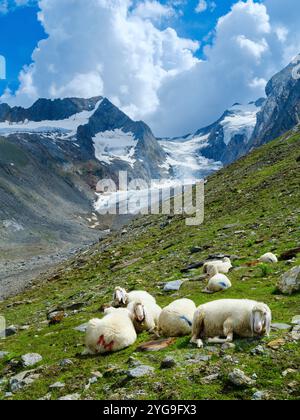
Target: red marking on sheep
<point>106,346</point>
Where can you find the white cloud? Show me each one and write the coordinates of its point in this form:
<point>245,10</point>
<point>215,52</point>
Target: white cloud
<point>153,10</point>
<point>107,48</point>
<point>3,6</point>
<point>204,5</point>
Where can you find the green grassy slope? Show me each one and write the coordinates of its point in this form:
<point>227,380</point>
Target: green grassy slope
<point>260,195</point>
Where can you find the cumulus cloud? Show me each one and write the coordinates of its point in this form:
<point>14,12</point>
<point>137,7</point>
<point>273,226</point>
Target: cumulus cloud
<point>103,49</point>
<point>204,5</point>
<point>110,48</point>
<point>10,5</point>
<point>153,10</point>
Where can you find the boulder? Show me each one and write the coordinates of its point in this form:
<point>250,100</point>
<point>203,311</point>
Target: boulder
<point>290,281</point>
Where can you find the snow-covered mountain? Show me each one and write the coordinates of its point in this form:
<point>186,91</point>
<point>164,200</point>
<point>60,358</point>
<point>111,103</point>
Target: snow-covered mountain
<point>97,128</point>
<point>197,155</point>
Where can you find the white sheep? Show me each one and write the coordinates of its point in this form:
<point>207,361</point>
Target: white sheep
<point>144,315</point>
<point>224,318</point>
<point>217,282</point>
<point>268,258</point>
<point>112,333</point>
<point>223,266</point>
<point>176,319</point>
<point>122,298</point>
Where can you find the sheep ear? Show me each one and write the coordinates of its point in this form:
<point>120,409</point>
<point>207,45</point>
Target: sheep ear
<point>252,322</point>
<point>123,298</point>
<point>268,324</point>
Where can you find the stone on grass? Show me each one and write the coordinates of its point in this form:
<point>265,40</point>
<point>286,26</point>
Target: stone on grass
<point>280,327</point>
<point>276,344</point>
<point>140,371</point>
<point>81,328</point>
<point>57,385</point>
<point>12,330</point>
<point>3,354</point>
<point>23,379</point>
<point>296,320</point>
<point>290,281</point>
<point>31,359</point>
<point>209,379</point>
<point>71,397</point>
<point>168,363</point>
<point>258,396</point>
<point>258,351</point>
<point>238,378</point>
<point>173,286</point>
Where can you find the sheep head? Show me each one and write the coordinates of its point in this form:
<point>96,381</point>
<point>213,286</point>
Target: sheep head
<point>261,318</point>
<point>120,296</point>
<point>139,312</point>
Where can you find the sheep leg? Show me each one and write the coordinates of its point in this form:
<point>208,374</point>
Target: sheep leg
<point>197,341</point>
<point>228,333</point>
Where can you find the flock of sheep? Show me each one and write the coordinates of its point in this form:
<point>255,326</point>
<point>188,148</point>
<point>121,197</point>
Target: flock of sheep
<point>218,321</point>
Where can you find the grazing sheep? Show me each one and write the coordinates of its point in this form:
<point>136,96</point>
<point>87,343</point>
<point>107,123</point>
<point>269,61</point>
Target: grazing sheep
<point>144,315</point>
<point>224,318</point>
<point>217,282</point>
<point>176,319</point>
<point>122,298</point>
<point>268,258</point>
<point>112,333</point>
<point>223,266</point>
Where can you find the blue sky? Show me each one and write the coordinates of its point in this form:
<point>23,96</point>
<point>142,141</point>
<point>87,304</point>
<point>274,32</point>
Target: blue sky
<point>20,32</point>
<point>176,64</point>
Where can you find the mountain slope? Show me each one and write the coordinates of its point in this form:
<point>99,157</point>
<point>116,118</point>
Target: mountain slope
<point>252,207</point>
<point>281,111</point>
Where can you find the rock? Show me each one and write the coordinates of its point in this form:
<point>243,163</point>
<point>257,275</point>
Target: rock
<point>140,371</point>
<point>276,344</point>
<point>289,372</point>
<point>71,397</point>
<point>239,379</point>
<point>228,346</point>
<point>290,281</point>
<point>56,317</point>
<point>258,396</point>
<point>258,351</point>
<point>168,363</point>
<point>173,286</point>
<point>31,359</point>
<point>209,379</point>
<point>65,363</point>
<point>133,362</point>
<point>280,327</point>
<point>47,397</point>
<point>57,385</point>
<point>3,354</point>
<point>10,331</point>
<point>294,386</point>
<point>296,320</point>
<point>23,379</point>
<point>295,334</point>
<point>81,328</point>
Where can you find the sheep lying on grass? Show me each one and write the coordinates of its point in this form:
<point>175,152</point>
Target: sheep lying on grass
<point>144,315</point>
<point>224,318</point>
<point>268,258</point>
<point>112,333</point>
<point>122,298</point>
<point>217,282</point>
<point>223,266</point>
<point>176,319</point>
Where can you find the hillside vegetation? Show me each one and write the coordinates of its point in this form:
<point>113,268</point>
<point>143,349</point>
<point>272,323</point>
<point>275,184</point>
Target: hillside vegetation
<point>252,207</point>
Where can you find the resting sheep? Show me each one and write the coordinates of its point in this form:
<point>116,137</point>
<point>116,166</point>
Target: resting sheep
<point>224,318</point>
<point>176,319</point>
<point>223,266</point>
<point>144,315</point>
<point>268,258</point>
<point>217,282</point>
<point>112,333</point>
<point>122,298</point>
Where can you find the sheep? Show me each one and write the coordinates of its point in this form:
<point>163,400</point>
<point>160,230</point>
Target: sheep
<point>223,266</point>
<point>176,319</point>
<point>122,298</point>
<point>112,333</point>
<point>269,257</point>
<point>217,282</point>
<point>144,315</point>
<point>224,318</point>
